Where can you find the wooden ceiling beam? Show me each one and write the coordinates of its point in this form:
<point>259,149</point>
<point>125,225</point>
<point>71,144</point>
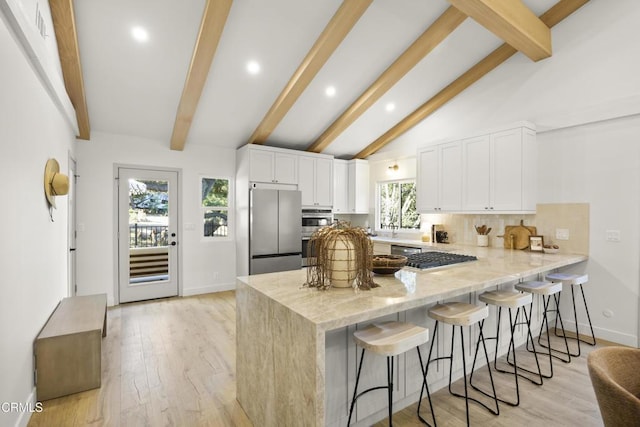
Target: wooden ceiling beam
<point>421,47</point>
<point>334,33</point>
<point>64,26</point>
<point>513,22</point>
<point>553,16</point>
<point>214,19</point>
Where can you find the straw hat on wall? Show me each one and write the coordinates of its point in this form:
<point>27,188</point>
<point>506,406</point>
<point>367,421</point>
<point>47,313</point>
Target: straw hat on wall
<point>55,183</point>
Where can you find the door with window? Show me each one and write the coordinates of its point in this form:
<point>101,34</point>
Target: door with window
<point>147,234</point>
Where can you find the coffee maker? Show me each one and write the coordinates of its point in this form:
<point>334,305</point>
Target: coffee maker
<point>438,234</point>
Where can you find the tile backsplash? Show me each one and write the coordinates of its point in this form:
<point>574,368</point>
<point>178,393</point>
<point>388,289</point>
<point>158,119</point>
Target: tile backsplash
<point>549,217</point>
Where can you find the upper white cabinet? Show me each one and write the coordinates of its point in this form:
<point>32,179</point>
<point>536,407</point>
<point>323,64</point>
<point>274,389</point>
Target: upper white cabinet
<point>340,184</point>
<point>266,165</point>
<point>496,173</point>
<point>351,186</point>
<point>358,186</point>
<point>316,181</point>
<point>499,172</point>
<point>439,183</point>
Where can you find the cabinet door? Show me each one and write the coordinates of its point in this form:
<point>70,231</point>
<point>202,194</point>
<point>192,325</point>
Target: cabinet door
<point>260,166</point>
<point>306,180</point>
<point>451,176</point>
<point>428,181</point>
<point>381,248</point>
<point>358,187</point>
<point>286,168</point>
<point>477,170</point>
<point>323,182</point>
<point>506,170</point>
<point>340,183</point>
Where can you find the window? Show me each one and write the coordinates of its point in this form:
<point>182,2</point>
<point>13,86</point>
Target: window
<point>215,207</point>
<point>397,205</point>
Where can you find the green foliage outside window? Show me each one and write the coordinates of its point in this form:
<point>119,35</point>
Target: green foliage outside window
<point>215,193</point>
<point>397,206</point>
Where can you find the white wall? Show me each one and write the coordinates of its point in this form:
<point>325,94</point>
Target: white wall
<point>33,256</point>
<point>600,164</point>
<point>206,266</point>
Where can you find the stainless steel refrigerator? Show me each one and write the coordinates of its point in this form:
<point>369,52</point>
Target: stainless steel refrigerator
<point>274,231</point>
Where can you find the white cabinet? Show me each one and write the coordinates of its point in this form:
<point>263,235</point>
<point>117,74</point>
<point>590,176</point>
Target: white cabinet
<point>491,172</point>
<point>340,184</point>
<point>358,186</point>
<point>271,166</point>
<point>439,183</point>
<point>316,181</point>
<point>380,248</point>
<point>499,172</point>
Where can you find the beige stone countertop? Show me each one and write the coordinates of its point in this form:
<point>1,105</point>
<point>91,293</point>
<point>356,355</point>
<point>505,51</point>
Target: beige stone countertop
<point>407,289</point>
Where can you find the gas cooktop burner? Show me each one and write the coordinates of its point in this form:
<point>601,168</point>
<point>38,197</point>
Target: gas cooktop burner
<point>432,259</point>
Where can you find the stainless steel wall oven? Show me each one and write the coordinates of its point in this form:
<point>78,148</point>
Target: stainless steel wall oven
<point>313,220</point>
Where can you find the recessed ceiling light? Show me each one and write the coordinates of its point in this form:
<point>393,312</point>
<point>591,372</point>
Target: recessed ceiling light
<point>253,67</point>
<point>330,91</point>
<point>390,107</point>
<point>140,34</point>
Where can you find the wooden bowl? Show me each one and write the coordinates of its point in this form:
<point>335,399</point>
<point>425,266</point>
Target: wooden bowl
<point>388,264</point>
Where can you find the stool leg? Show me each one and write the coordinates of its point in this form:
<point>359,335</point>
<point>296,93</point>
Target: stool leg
<point>426,385</point>
<point>390,387</point>
<point>575,318</point>
<point>425,372</point>
<point>493,387</point>
<point>464,371</point>
<point>545,322</point>
<point>512,327</point>
<point>355,390</point>
<point>556,299</point>
<point>529,339</point>
<point>593,336</point>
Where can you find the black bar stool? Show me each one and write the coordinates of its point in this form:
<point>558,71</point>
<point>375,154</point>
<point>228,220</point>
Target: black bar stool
<point>459,314</point>
<point>389,339</point>
<point>509,299</point>
<point>546,290</point>
<point>574,280</point>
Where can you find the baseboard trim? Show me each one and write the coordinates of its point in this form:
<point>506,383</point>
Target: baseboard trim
<point>209,289</point>
<point>606,336</point>
<point>30,406</point>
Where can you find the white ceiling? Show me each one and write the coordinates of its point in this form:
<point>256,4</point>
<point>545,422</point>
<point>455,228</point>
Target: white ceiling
<point>134,89</point>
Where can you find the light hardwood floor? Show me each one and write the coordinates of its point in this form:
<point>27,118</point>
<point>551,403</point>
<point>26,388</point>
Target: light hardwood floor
<point>171,362</point>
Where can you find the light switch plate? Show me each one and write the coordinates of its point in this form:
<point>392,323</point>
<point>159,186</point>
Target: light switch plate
<point>562,234</point>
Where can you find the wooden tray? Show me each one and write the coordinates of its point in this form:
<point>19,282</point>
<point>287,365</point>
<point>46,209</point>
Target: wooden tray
<point>517,236</point>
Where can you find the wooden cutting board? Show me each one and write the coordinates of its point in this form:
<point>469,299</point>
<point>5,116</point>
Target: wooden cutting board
<point>518,235</point>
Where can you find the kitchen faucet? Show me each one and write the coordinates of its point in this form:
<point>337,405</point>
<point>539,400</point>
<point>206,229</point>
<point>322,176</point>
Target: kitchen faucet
<point>394,230</point>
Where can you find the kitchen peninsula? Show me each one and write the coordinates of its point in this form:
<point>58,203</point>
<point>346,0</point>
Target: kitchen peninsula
<point>284,329</point>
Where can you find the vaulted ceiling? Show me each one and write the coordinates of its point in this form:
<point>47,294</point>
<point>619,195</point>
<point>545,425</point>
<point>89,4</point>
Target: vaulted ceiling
<point>391,63</point>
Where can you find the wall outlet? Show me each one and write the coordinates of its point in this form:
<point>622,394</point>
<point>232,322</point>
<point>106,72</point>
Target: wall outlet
<point>613,235</point>
<point>562,234</point>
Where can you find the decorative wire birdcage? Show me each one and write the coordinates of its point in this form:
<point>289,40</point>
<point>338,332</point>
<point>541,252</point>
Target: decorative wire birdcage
<point>343,258</point>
